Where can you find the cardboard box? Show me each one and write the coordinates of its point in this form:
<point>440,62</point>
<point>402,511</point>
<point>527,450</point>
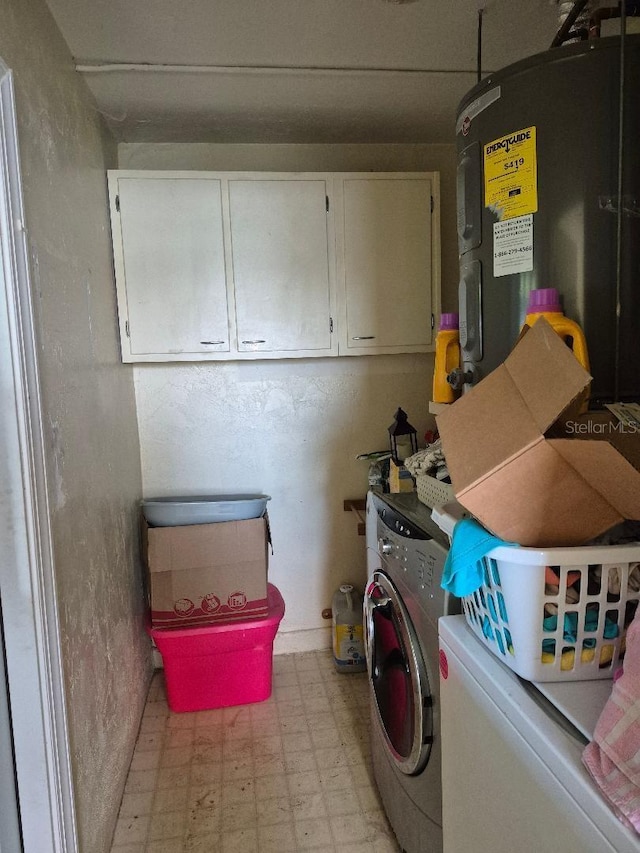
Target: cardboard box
<point>523,460</point>
<point>202,574</point>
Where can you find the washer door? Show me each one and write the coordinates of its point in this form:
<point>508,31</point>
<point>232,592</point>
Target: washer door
<point>397,676</point>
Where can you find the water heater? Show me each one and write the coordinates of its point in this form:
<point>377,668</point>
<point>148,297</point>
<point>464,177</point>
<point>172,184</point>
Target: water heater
<point>548,188</point>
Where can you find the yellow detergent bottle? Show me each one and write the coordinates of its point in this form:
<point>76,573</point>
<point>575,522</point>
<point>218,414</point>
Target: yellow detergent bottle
<point>447,358</point>
<point>348,630</point>
<point>545,302</point>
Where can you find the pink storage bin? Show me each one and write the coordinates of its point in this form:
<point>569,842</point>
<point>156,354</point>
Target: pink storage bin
<point>220,665</point>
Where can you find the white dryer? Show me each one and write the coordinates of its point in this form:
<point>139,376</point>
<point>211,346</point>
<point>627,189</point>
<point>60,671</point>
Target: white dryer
<point>406,553</point>
<point>513,777</point>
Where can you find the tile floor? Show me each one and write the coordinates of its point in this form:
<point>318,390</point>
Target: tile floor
<point>289,774</point>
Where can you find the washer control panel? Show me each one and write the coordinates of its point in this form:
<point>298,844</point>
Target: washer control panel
<point>407,552</point>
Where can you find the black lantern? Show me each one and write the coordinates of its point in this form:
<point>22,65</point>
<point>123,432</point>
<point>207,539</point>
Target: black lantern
<point>403,438</point>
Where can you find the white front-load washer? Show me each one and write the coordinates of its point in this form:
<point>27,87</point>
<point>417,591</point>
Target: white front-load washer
<point>405,555</point>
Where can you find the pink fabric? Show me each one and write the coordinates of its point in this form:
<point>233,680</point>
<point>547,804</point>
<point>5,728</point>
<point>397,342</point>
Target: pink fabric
<point>613,757</point>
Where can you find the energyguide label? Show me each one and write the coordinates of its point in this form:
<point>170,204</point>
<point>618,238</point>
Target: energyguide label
<point>510,174</point>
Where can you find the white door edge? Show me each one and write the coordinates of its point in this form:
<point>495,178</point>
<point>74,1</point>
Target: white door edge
<point>27,584</point>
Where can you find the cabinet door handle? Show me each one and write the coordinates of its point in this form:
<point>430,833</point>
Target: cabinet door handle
<point>211,343</point>
<point>364,338</point>
<point>253,342</point>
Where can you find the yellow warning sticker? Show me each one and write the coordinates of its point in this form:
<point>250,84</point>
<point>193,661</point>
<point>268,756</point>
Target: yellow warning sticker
<point>510,174</point>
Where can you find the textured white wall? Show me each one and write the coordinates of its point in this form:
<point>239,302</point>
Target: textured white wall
<point>91,438</point>
<point>292,428</point>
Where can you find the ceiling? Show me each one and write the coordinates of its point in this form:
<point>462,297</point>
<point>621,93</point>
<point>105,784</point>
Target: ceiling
<point>292,71</point>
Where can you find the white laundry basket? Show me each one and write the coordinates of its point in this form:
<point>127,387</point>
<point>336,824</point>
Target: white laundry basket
<point>569,630</point>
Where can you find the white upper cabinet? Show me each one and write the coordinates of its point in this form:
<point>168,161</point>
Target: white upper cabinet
<point>282,276</point>
<point>170,266</point>
<point>388,261</point>
<point>246,265</point>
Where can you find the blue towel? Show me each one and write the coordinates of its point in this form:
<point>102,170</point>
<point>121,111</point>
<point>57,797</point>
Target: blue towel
<point>463,569</point>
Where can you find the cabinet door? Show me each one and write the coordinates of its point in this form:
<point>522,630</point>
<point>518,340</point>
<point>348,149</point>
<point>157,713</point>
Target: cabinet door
<point>387,263</point>
<point>281,270</point>
<point>170,267</point>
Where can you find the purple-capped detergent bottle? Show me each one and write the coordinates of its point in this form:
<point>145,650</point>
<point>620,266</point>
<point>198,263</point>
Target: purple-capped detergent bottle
<point>447,358</point>
<point>545,302</point>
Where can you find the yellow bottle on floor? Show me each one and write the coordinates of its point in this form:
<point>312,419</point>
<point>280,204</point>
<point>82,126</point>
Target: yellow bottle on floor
<point>348,630</point>
<point>545,302</point>
<point>447,358</point>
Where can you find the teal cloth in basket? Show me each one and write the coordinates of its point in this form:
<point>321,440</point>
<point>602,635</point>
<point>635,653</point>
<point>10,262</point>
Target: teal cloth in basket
<point>570,629</point>
<point>463,570</point>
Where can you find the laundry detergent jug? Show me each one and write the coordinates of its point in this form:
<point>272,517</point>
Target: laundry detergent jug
<point>348,631</point>
<point>447,358</point>
<point>545,302</point>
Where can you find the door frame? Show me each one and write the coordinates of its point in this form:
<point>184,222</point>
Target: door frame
<point>27,584</point>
